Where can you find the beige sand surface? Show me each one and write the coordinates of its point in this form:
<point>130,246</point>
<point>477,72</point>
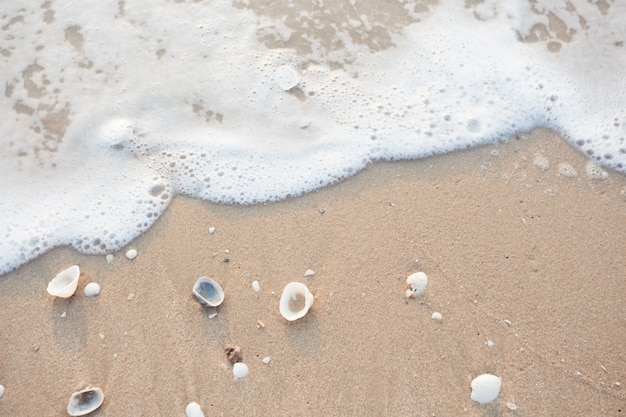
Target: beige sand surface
<point>501,241</point>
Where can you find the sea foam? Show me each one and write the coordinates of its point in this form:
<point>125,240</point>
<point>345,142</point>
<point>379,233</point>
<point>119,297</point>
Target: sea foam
<point>111,109</point>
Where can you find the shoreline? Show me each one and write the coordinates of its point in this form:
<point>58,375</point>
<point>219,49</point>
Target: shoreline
<point>500,240</point>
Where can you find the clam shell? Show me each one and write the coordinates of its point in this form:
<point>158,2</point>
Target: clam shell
<point>85,401</point>
<point>208,292</point>
<point>485,388</point>
<point>295,301</point>
<point>65,283</point>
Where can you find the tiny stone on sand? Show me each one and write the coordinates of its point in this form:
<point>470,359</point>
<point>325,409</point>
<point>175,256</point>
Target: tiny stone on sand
<point>309,273</point>
<point>92,289</point>
<point>131,253</point>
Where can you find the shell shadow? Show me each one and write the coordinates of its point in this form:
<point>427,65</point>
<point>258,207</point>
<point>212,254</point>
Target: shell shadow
<point>304,334</point>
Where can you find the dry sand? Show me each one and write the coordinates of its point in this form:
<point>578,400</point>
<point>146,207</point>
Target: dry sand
<point>501,241</point>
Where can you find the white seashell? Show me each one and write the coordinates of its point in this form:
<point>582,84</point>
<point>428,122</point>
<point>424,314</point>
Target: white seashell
<point>485,388</point>
<point>131,253</point>
<point>85,401</point>
<point>65,283</point>
<point>286,77</point>
<point>208,292</point>
<point>418,282</point>
<point>109,258</point>
<point>211,230</point>
<point>266,360</point>
<point>193,410</point>
<point>92,289</point>
<point>309,273</point>
<point>256,287</point>
<point>437,316</point>
<point>240,370</point>
<point>295,301</point>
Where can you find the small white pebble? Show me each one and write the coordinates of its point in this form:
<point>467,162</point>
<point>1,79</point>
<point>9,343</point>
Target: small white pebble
<point>309,273</point>
<point>115,356</point>
<point>240,370</point>
<point>437,316</point>
<point>511,406</point>
<point>211,230</point>
<point>92,289</point>
<point>212,315</point>
<point>193,410</point>
<point>131,253</point>
<point>256,287</point>
<point>618,384</point>
<point>1,391</point>
<point>489,344</point>
<point>508,322</point>
<point>101,336</point>
<point>64,314</point>
<point>266,360</point>
<point>109,258</point>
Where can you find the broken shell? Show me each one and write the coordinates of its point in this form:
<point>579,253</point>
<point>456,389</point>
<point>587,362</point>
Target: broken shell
<point>295,301</point>
<point>85,401</point>
<point>234,353</point>
<point>418,282</point>
<point>65,283</point>
<point>208,292</point>
<point>485,388</point>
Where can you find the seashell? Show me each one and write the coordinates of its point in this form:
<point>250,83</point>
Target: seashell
<point>85,401</point>
<point>418,282</point>
<point>193,410</point>
<point>208,292</point>
<point>65,283</point>
<point>485,388</point>
<point>286,77</point>
<point>240,370</point>
<point>132,253</point>
<point>295,301</point>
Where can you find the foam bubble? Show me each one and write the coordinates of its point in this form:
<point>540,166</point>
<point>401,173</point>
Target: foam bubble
<point>118,111</point>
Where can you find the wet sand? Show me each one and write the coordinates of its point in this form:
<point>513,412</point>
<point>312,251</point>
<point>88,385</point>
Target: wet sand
<point>528,259</point>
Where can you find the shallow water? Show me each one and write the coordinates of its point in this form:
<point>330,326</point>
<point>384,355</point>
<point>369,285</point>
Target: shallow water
<point>110,109</point>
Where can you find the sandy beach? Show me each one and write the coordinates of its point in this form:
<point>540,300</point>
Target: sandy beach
<point>526,259</point>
